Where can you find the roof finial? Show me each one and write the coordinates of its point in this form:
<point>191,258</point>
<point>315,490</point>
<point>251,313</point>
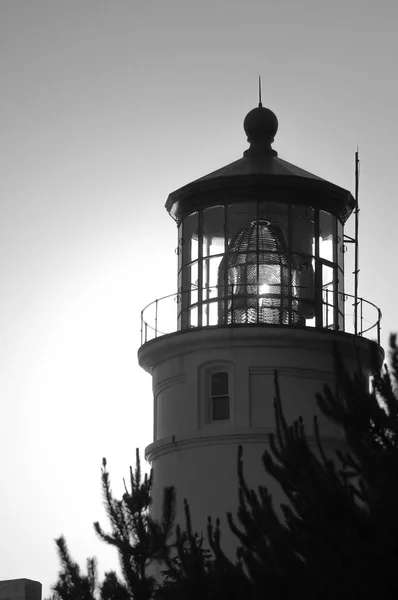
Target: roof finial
<point>259,91</point>
<point>260,125</point>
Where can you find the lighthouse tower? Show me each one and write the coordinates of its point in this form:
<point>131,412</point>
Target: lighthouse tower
<point>260,288</point>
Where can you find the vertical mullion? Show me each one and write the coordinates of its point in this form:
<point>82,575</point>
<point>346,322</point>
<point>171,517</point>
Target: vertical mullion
<point>335,277</point>
<point>289,262</point>
<point>206,285</point>
<point>340,266</point>
<point>257,263</point>
<point>180,306</point>
<point>200,267</point>
<point>335,297</point>
<point>225,283</point>
<point>205,288</point>
<point>318,275</point>
<point>187,270</point>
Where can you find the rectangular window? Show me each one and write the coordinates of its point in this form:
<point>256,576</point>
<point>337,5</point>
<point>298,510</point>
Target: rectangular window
<point>219,397</point>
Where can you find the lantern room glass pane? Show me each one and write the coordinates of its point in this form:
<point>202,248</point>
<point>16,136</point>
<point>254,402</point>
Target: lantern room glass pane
<point>188,248</point>
<point>211,275</point>
<point>276,214</point>
<point>190,239</point>
<point>340,275</point>
<point>188,280</point>
<point>303,287</point>
<point>307,298</point>
<point>179,253</point>
<point>179,246</point>
<point>213,230</point>
<point>303,232</point>
<point>194,282</point>
<point>193,314</point>
<point>194,248</point>
<point>328,296</point>
<point>239,215</point>
<point>340,245</point>
<point>210,312</point>
<point>213,312</point>
<point>326,230</point>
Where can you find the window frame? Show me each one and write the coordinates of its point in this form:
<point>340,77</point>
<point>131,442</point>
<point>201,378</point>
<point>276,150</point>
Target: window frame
<point>205,408</point>
<point>212,397</point>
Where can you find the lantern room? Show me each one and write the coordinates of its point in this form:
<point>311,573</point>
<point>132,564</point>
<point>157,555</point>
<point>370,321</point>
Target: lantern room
<point>263,261</point>
<point>261,241</point>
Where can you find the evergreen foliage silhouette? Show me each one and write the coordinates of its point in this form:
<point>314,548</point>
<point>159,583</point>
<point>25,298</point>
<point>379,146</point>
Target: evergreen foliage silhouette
<point>335,536</point>
<point>138,539</point>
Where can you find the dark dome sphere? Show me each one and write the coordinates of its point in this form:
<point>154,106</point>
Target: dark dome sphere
<point>260,124</point>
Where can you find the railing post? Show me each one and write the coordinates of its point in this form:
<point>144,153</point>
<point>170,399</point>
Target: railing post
<point>344,313</point>
<point>156,318</point>
<point>142,326</point>
<point>225,305</point>
<point>327,308</point>
<point>361,300</point>
<point>232,304</point>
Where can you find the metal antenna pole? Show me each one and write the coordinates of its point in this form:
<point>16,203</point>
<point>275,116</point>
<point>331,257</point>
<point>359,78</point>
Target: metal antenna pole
<point>356,268</point>
<point>259,91</point>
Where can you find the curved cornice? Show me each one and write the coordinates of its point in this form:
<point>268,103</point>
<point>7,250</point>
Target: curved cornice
<point>234,437</point>
<point>187,341</point>
<point>300,372</point>
<point>166,383</point>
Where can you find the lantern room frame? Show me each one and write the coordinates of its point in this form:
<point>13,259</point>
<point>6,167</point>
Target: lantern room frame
<point>314,241</point>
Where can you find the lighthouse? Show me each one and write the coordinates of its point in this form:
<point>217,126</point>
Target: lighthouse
<point>261,249</point>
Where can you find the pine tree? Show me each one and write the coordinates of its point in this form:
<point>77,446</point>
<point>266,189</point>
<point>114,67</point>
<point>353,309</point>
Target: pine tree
<point>138,539</point>
<point>71,583</point>
<point>196,572</point>
<point>336,536</point>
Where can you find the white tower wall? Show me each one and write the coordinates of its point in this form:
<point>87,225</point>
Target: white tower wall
<point>199,457</point>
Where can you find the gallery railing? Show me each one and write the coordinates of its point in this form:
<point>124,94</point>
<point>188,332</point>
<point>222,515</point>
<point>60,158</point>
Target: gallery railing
<point>211,308</point>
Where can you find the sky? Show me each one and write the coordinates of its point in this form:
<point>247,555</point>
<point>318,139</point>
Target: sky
<point>105,108</point>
